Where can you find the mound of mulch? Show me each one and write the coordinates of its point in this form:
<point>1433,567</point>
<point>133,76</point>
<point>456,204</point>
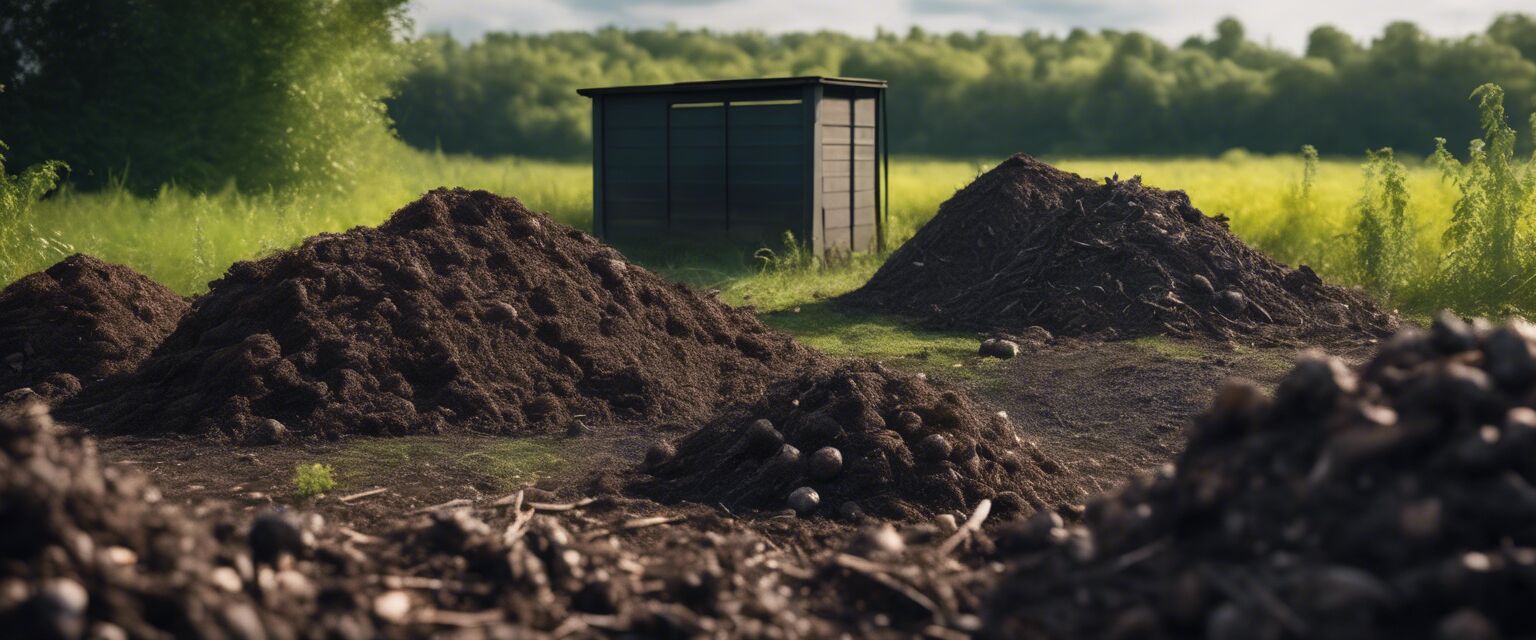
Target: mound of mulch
<point>79,321</point>
<point>866,440</point>
<point>463,311</point>
<point>87,551</point>
<point>1028,245</point>
<point>1396,502</point>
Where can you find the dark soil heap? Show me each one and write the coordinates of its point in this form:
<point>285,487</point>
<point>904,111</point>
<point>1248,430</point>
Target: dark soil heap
<point>1026,244</point>
<point>463,311</point>
<point>904,448</point>
<point>93,552</point>
<point>1399,502</point>
<point>78,322</point>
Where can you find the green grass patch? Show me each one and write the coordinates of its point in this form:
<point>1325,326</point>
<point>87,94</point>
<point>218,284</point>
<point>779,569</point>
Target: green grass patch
<point>500,463</point>
<point>1170,348</point>
<point>884,338</point>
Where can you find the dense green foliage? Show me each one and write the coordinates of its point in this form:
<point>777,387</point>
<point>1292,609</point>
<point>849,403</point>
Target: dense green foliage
<point>310,480</point>
<point>981,94</point>
<point>18,194</point>
<point>199,93</point>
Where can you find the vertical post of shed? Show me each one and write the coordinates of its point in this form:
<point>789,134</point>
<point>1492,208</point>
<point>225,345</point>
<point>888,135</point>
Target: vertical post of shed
<point>598,228</point>
<point>811,227</point>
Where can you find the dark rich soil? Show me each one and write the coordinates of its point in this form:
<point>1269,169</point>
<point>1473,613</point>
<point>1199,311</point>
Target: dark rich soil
<point>1026,245</point>
<point>1393,502</point>
<point>86,549</point>
<point>464,311</point>
<point>908,448</point>
<point>79,321</point>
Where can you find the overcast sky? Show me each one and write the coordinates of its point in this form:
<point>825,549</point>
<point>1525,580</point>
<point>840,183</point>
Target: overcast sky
<point>1284,23</point>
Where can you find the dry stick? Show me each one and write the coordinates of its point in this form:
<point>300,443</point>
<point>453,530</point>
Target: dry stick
<point>636,523</point>
<point>363,494</point>
<point>456,502</point>
<point>972,525</point>
<point>556,507</point>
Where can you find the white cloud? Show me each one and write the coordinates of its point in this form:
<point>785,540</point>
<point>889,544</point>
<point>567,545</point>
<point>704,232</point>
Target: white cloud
<point>1284,24</point>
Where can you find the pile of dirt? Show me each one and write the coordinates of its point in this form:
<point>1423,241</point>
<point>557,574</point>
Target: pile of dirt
<point>1396,502</point>
<point>861,439</point>
<point>1029,245</point>
<point>78,322</point>
<point>93,552</point>
<point>464,311</point>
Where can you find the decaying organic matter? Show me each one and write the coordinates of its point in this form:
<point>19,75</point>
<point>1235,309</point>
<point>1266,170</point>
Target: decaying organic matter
<point>904,447</point>
<point>1028,245</point>
<point>79,321</point>
<point>465,311</point>
<point>1396,502</point>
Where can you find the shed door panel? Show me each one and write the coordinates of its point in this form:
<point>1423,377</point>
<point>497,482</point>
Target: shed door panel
<point>696,168</point>
<point>837,173</point>
<point>865,167</point>
<point>635,161</point>
<point>767,169</point>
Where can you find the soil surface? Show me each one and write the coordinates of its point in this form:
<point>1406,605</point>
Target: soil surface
<point>463,312</point>
<point>80,321</point>
<point>1027,245</point>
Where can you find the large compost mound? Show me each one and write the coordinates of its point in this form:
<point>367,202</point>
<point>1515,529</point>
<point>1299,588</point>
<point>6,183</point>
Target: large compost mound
<point>79,321</point>
<point>1399,502</point>
<point>464,311</point>
<point>863,439</point>
<point>94,552</point>
<point>1026,244</point>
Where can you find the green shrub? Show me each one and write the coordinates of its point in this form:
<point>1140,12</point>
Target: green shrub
<point>310,480</point>
<point>1489,241</point>
<point>1383,233</point>
<point>17,195</point>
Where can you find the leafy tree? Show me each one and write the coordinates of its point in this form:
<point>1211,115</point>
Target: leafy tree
<point>265,93</point>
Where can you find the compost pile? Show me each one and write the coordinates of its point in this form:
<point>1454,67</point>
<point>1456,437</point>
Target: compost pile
<point>79,321</point>
<point>1028,245</point>
<point>1396,503</point>
<point>463,309</point>
<point>92,550</point>
<point>863,440</point>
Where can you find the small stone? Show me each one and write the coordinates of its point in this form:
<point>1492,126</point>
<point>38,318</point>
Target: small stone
<point>825,464</point>
<point>763,438</point>
<point>787,455</point>
<point>907,423</point>
<point>120,556</point>
<point>934,448</point>
<point>1509,357</point>
<point>659,454</point>
<point>226,578</point>
<point>883,538</point>
<point>1201,285</point>
<point>274,534</point>
<point>804,500</point>
<point>392,607</point>
<point>500,312</point>
<point>1450,334</point>
<point>61,602</point>
<point>1466,624</point>
<point>1232,302</point>
<point>107,631</point>
<point>850,510</point>
<point>998,348</point>
<point>946,522</point>
<point>269,431</point>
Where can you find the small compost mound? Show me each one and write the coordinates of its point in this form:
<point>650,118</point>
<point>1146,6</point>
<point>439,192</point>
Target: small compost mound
<point>464,311</point>
<point>1028,245</point>
<point>862,439</point>
<point>1399,502</point>
<point>79,321</point>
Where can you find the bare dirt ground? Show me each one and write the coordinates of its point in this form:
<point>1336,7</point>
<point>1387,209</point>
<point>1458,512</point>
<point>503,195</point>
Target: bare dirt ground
<point>1105,410</point>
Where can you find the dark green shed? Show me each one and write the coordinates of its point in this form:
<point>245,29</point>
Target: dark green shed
<point>742,161</point>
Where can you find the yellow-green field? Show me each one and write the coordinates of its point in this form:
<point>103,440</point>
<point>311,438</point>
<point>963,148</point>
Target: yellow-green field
<point>184,239</point>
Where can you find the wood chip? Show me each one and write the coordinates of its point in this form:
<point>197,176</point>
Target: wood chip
<point>363,494</point>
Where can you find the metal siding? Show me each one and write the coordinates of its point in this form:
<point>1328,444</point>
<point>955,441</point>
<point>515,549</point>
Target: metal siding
<point>697,172</point>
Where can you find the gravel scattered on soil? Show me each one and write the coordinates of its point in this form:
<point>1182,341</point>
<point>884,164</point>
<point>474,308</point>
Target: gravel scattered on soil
<point>1028,245</point>
<point>464,311</point>
<point>1392,502</point>
<point>80,321</point>
<point>905,448</point>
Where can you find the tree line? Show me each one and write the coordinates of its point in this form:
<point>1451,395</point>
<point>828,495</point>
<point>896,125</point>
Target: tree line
<point>1106,92</point>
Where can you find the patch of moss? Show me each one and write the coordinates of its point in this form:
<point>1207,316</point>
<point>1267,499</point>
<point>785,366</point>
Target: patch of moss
<point>1171,348</point>
<point>499,463</point>
<point>884,338</point>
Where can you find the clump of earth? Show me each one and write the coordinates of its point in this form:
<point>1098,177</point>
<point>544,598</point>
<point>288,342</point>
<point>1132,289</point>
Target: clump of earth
<point>1028,245</point>
<point>78,322</point>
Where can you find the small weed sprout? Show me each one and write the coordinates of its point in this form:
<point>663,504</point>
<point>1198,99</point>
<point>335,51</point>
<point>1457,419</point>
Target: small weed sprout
<point>794,257</point>
<point>310,480</point>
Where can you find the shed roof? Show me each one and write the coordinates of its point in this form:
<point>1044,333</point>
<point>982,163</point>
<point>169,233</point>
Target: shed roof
<point>728,85</point>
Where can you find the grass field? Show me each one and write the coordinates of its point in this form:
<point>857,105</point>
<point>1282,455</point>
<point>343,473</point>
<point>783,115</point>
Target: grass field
<point>185,240</point>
